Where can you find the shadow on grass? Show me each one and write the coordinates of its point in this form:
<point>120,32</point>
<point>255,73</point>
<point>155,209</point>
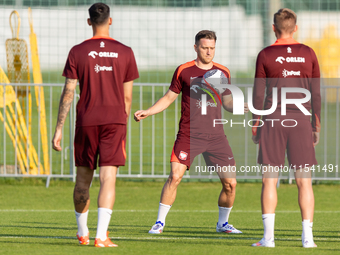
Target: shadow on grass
<point>34,227</point>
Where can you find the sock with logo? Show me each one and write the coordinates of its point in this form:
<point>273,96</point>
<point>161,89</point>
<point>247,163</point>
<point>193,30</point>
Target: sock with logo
<point>82,223</point>
<point>162,212</point>
<point>268,224</point>
<point>223,215</point>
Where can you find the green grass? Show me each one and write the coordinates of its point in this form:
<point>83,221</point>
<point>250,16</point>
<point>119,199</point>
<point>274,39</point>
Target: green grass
<point>36,220</point>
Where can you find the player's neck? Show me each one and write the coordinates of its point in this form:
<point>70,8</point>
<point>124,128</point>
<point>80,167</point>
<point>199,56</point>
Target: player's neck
<point>202,65</point>
<point>101,31</point>
<point>284,36</point>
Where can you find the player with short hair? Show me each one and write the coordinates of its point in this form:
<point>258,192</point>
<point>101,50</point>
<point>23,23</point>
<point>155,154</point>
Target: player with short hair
<point>287,64</point>
<point>105,69</point>
<point>196,132</point>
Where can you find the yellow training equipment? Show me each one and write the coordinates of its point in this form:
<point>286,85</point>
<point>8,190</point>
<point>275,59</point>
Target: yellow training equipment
<point>39,92</point>
<point>16,128</point>
<point>15,125</point>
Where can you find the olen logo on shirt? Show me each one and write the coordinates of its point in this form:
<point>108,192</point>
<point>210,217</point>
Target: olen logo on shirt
<point>290,59</point>
<point>103,54</point>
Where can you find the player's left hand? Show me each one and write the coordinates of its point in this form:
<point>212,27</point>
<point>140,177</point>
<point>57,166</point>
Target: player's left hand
<point>255,139</point>
<point>56,140</point>
<point>246,108</point>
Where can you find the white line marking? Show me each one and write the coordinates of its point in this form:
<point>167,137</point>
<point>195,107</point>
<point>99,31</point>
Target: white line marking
<point>170,238</point>
<point>176,211</point>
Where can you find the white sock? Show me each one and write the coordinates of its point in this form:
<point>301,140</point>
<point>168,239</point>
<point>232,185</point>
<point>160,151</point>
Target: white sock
<point>162,212</point>
<point>307,232</point>
<point>268,224</point>
<point>223,215</point>
<point>104,217</point>
<point>82,223</point>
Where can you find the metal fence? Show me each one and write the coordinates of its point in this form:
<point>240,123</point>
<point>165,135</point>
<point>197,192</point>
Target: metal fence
<point>149,143</point>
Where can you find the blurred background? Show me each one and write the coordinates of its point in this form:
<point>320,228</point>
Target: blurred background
<point>161,32</point>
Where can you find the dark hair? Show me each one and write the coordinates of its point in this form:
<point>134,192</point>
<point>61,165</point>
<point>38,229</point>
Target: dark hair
<point>99,13</point>
<point>207,34</point>
<point>285,20</point>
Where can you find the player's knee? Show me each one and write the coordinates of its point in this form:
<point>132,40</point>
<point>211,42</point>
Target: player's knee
<point>233,184</point>
<point>81,189</point>
<point>174,179</point>
<point>229,186</point>
<point>303,183</point>
<point>109,179</point>
<point>268,182</point>
<point>84,177</point>
<point>83,182</point>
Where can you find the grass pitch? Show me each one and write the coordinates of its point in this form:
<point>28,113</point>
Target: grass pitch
<point>36,220</point>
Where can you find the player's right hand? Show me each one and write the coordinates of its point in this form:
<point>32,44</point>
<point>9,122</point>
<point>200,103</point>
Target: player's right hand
<point>141,114</point>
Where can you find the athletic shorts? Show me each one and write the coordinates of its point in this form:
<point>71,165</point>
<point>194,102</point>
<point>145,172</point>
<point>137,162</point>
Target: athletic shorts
<point>105,141</point>
<point>214,148</point>
<point>298,141</point>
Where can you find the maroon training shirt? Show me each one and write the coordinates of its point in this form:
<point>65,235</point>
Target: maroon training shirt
<point>102,65</point>
<point>185,80</point>
<point>288,63</point>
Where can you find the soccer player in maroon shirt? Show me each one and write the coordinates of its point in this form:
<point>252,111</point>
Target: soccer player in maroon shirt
<point>282,66</point>
<point>105,69</point>
<point>196,132</point>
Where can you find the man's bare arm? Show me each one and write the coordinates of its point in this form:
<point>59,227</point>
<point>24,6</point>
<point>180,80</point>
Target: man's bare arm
<point>66,100</point>
<point>128,96</point>
<point>64,107</point>
<point>227,103</point>
<point>158,107</point>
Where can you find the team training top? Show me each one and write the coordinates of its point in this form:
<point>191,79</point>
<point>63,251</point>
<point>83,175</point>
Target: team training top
<point>102,65</point>
<point>288,63</point>
<point>187,79</point>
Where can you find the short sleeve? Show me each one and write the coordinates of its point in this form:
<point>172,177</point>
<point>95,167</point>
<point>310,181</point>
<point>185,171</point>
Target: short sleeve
<point>176,84</point>
<point>260,71</point>
<point>132,70</point>
<point>316,68</point>
<point>70,70</point>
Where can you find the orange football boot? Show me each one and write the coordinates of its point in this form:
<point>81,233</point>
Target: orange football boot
<point>107,243</point>
<point>84,240</point>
